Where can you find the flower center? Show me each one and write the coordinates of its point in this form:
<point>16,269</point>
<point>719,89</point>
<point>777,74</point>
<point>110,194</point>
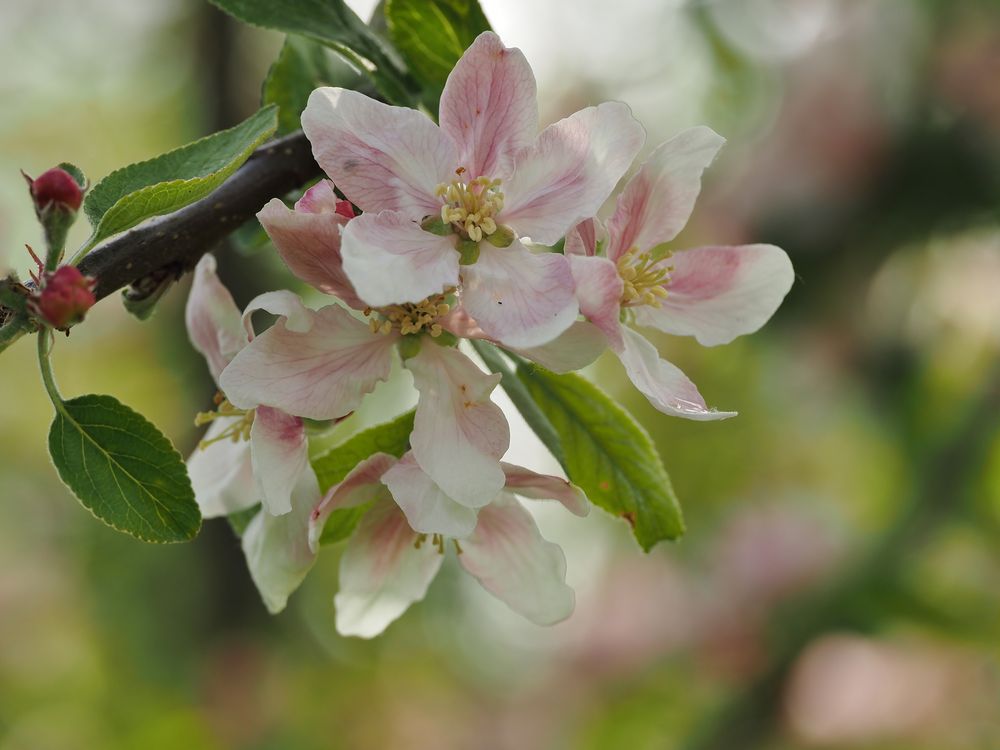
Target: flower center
<point>643,278</point>
<point>471,207</point>
<point>412,317</point>
<point>238,428</point>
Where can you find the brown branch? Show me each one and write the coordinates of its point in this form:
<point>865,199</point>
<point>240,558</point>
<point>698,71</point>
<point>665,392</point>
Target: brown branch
<point>175,242</point>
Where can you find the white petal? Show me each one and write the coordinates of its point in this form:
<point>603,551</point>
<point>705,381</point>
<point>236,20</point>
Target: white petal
<point>427,508</point>
<point>459,434</point>
<point>309,241</point>
<point>599,291</point>
<point>391,260</point>
<point>489,106</point>
<point>279,453</point>
<point>321,374</point>
<point>527,483</point>
<point>283,304</point>
<point>517,297</point>
<point>656,203</point>
<point>277,547</point>
<point>221,474</point>
<point>382,572</point>
<point>573,349</point>
<point>570,171</point>
<point>667,388</point>
<point>381,157</point>
<point>512,561</point>
<point>213,320</point>
<point>718,293</point>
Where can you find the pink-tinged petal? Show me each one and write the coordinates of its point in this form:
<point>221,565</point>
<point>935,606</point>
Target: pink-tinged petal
<point>458,434</point>
<point>583,238</point>
<point>391,260</point>
<point>426,507</point>
<point>222,475</point>
<point>362,484</point>
<point>512,561</point>
<point>656,203</point>
<point>517,297</point>
<point>573,349</point>
<point>319,199</point>
<point>489,106</point>
<point>213,320</point>
<point>309,244</point>
<point>277,547</point>
<point>565,176</point>
<point>718,293</point>
<point>527,483</point>
<point>599,291</point>
<point>279,453</point>
<point>381,157</point>
<point>667,388</point>
<point>283,304</point>
<point>321,374</point>
<point>382,572</point>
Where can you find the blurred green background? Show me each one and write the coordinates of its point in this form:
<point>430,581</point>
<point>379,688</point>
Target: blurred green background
<point>839,585</point>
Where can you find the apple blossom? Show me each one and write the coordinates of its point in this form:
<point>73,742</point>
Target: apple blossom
<point>712,293</point>
<point>448,207</point>
<point>389,562</point>
<point>251,455</point>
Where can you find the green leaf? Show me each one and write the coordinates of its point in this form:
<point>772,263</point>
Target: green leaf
<point>331,467</point>
<point>302,65</point>
<point>123,469</point>
<point>76,173</point>
<point>432,35</point>
<point>333,24</point>
<point>175,179</point>
<point>607,453</point>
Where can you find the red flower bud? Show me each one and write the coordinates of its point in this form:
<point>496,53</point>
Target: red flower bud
<point>56,188</point>
<point>345,209</point>
<point>64,297</point>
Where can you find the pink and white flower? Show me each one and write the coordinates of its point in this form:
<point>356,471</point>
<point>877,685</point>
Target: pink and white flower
<point>388,564</point>
<point>489,179</point>
<point>712,293</point>
<point>320,364</point>
<point>251,456</point>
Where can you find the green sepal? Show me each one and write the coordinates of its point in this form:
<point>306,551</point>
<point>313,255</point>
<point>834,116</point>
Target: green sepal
<point>409,346</point>
<point>503,237</point>
<point>75,172</point>
<point>468,251</point>
<point>445,338</point>
<point>141,297</point>
<point>437,225</point>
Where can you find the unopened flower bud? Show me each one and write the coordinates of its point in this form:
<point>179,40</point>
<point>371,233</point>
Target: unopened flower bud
<point>56,188</point>
<point>64,297</point>
<point>345,209</point>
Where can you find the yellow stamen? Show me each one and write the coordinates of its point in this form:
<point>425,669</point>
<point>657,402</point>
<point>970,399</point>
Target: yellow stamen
<point>239,429</point>
<point>644,279</point>
<point>409,318</point>
<point>472,206</point>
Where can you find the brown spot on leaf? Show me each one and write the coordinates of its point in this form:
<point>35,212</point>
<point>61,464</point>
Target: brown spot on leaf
<point>630,517</point>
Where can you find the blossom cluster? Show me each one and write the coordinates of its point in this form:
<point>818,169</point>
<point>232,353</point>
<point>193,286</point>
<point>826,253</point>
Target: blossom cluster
<point>478,227</point>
